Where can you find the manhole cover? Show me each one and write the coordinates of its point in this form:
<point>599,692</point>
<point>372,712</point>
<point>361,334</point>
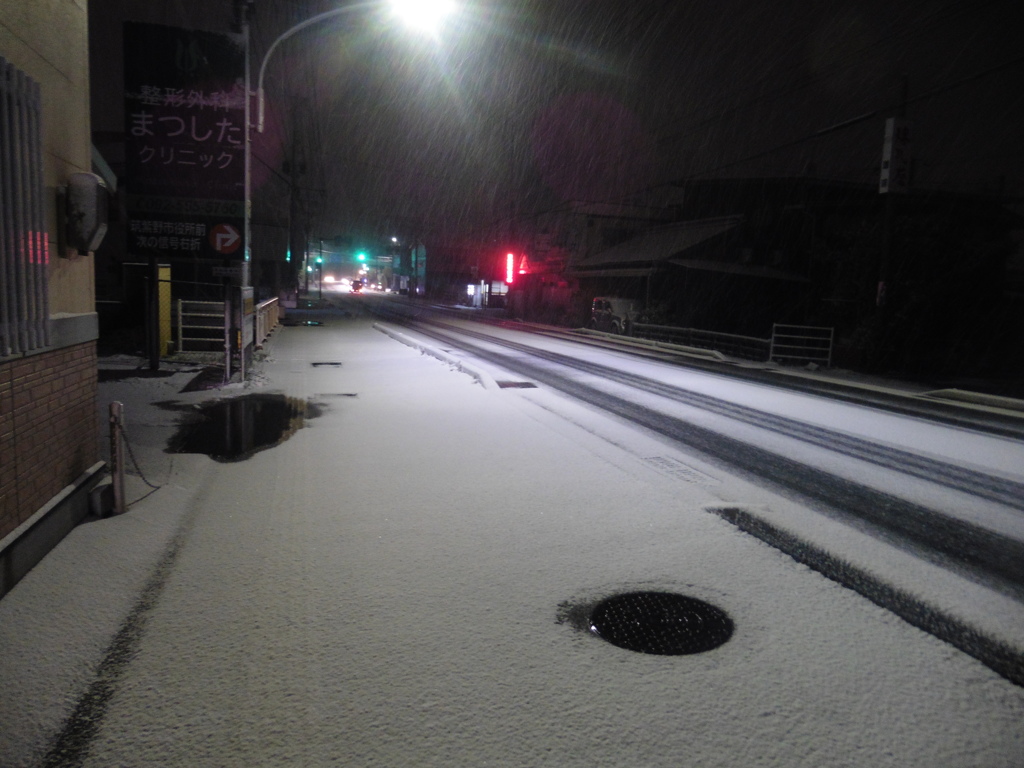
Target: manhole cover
<point>660,623</point>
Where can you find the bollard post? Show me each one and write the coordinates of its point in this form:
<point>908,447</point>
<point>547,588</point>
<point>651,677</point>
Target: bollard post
<point>117,455</point>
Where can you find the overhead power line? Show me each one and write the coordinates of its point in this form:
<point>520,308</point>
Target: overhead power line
<point>860,118</point>
<point>947,13</point>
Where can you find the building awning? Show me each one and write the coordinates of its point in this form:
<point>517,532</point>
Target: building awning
<point>732,268</point>
<point>657,245</point>
<point>623,272</point>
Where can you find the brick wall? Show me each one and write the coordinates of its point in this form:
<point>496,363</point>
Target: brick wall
<point>49,434</point>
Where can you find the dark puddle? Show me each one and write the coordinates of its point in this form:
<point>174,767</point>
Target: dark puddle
<point>235,429</point>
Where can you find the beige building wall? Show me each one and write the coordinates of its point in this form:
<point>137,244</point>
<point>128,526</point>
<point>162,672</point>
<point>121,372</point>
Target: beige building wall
<point>48,40</point>
<point>49,431</point>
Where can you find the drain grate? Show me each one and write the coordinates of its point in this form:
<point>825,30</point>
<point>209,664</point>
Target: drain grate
<point>662,623</point>
<point>329,365</point>
<point>516,385</point>
<point>678,470</point>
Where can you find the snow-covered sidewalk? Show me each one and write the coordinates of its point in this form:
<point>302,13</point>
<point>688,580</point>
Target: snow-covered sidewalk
<point>391,585</point>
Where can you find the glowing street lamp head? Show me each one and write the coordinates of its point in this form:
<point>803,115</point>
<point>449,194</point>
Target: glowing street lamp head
<point>424,15</point>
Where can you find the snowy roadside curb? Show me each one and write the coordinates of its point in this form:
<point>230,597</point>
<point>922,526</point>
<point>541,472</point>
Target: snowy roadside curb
<point>638,343</point>
<point>484,379</point>
<point>1012,405</point>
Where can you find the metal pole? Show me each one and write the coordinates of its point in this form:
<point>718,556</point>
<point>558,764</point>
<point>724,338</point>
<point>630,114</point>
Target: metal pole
<point>117,455</point>
<point>227,330</point>
<point>247,229</point>
<point>889,216</point>
<point>284,36</point>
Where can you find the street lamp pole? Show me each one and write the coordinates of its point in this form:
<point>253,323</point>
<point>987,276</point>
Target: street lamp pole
<point>424,13</point>
<point>284,36</point>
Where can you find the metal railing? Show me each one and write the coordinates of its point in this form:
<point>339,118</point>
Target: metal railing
<point>801,344</point>
<point>789,344</point>
<point>24,247</point>
<point>268,315</point>
<point>200,326</point>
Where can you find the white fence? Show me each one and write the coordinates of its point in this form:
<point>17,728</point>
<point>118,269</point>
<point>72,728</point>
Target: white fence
<point>200,326</point>
<point>268,315</point>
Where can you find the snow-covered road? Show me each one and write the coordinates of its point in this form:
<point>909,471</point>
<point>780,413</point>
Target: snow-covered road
<point>389,587</point>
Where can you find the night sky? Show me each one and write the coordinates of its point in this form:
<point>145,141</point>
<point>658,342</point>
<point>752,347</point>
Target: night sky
<point>521,105</point>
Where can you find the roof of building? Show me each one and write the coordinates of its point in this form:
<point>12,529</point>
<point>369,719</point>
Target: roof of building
<point>657,245</point>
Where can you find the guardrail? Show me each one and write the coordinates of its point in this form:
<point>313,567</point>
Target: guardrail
<point>268,315</point>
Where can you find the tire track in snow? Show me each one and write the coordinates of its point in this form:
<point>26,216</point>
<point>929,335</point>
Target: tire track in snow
<point>929,533</point>
<point>71,746</point>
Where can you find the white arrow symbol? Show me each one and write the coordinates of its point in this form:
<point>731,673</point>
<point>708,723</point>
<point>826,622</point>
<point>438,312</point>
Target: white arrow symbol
<point>226,239</point>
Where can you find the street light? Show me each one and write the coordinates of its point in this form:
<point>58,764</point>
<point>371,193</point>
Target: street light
<point>422,14</point>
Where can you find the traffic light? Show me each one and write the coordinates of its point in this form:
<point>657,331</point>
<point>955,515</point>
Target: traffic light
<point>360,256</point>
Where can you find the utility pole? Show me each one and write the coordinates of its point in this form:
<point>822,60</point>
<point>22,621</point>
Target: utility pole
<point>891,189</point>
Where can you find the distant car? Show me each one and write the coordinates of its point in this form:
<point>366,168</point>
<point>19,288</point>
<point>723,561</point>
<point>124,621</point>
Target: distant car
<point>357,286</point>
<point>612,314</point>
